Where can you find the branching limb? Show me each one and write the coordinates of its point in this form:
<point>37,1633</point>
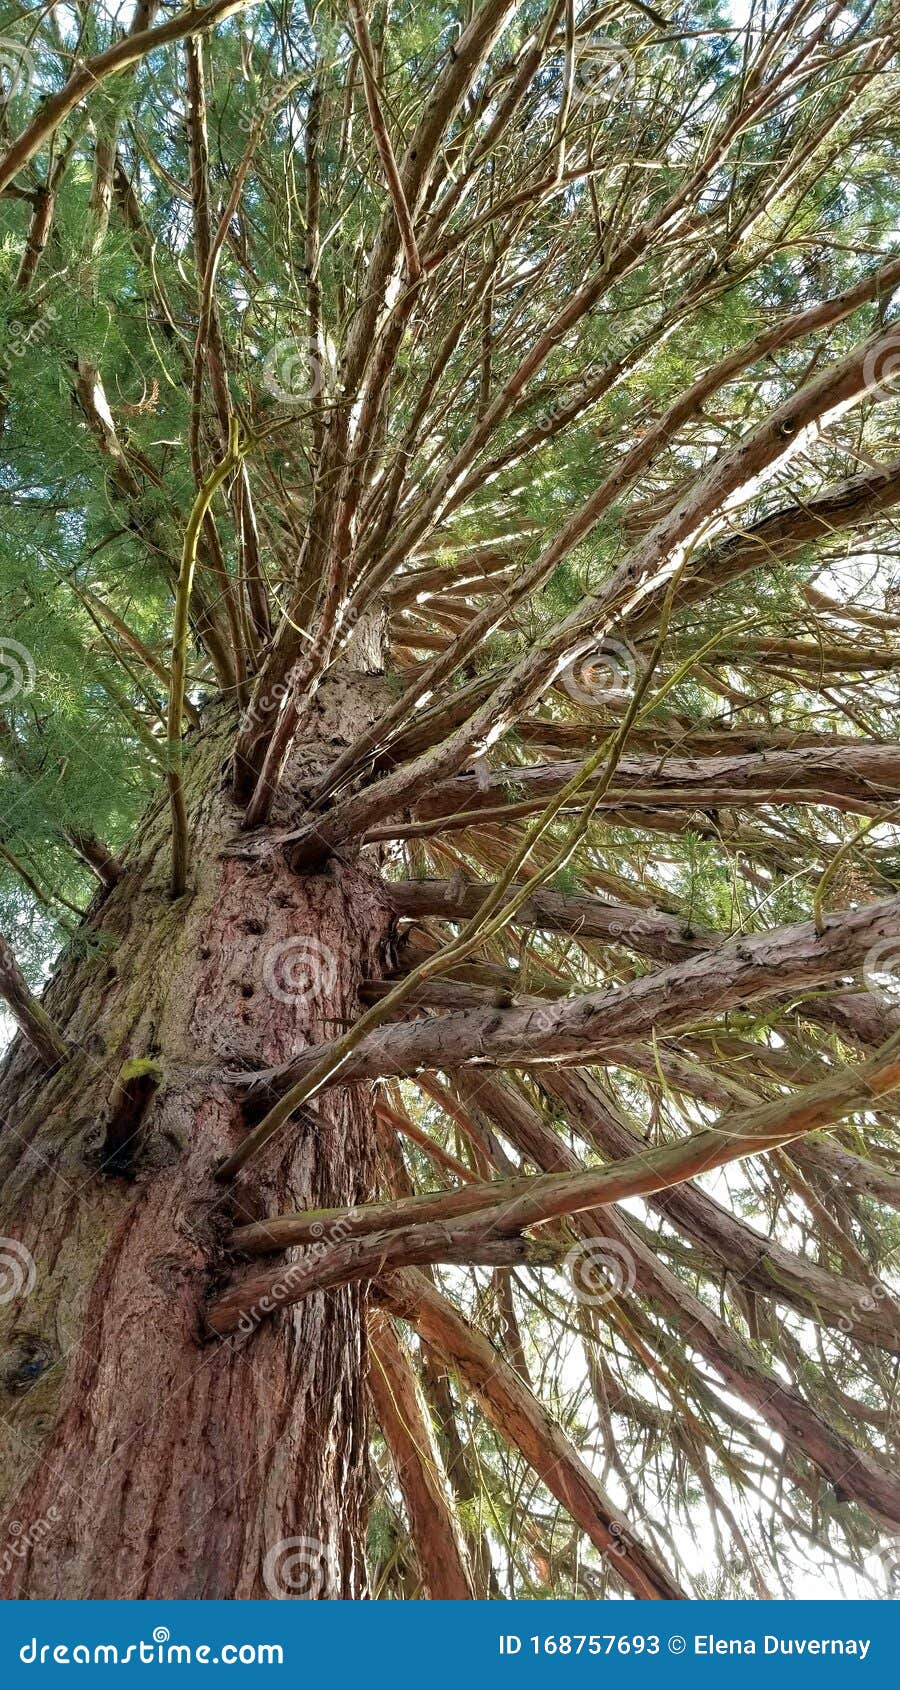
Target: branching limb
<point>29,1014</point>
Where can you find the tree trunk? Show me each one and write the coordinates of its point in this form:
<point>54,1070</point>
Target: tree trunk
<point>138,1459</point>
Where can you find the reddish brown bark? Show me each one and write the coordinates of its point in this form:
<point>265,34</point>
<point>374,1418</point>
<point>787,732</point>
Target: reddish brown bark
<point>403,1418</point>
<point>647,566</point>
<point>781,1405</point>
<point>518,1416</point>
<point>740,971</point>
<point>664,937</point>
<point>175,1468</point>
<point>764,1265</point>
<point>858,777</point>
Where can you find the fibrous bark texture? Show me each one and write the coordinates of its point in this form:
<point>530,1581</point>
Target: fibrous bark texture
<point>172,1467</point>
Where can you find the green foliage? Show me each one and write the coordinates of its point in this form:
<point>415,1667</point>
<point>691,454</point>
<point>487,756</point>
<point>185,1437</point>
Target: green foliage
<point>98,348</point>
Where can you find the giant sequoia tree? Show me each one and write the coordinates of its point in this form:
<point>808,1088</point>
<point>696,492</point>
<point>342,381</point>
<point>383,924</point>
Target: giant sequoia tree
<point>449,797</point>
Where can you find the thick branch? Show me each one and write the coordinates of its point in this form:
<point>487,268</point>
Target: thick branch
<point>741,971</point>
<point>503,1208</point>
<point>763,1264</point>
<point>29,1014</point>
<point>383,141</point>
<point>406,1425</point>
<point>243,1307</point>
<point>519,1417</point>
<point>663,937</point>
<point>649,566</point>
<point>859,777</point>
